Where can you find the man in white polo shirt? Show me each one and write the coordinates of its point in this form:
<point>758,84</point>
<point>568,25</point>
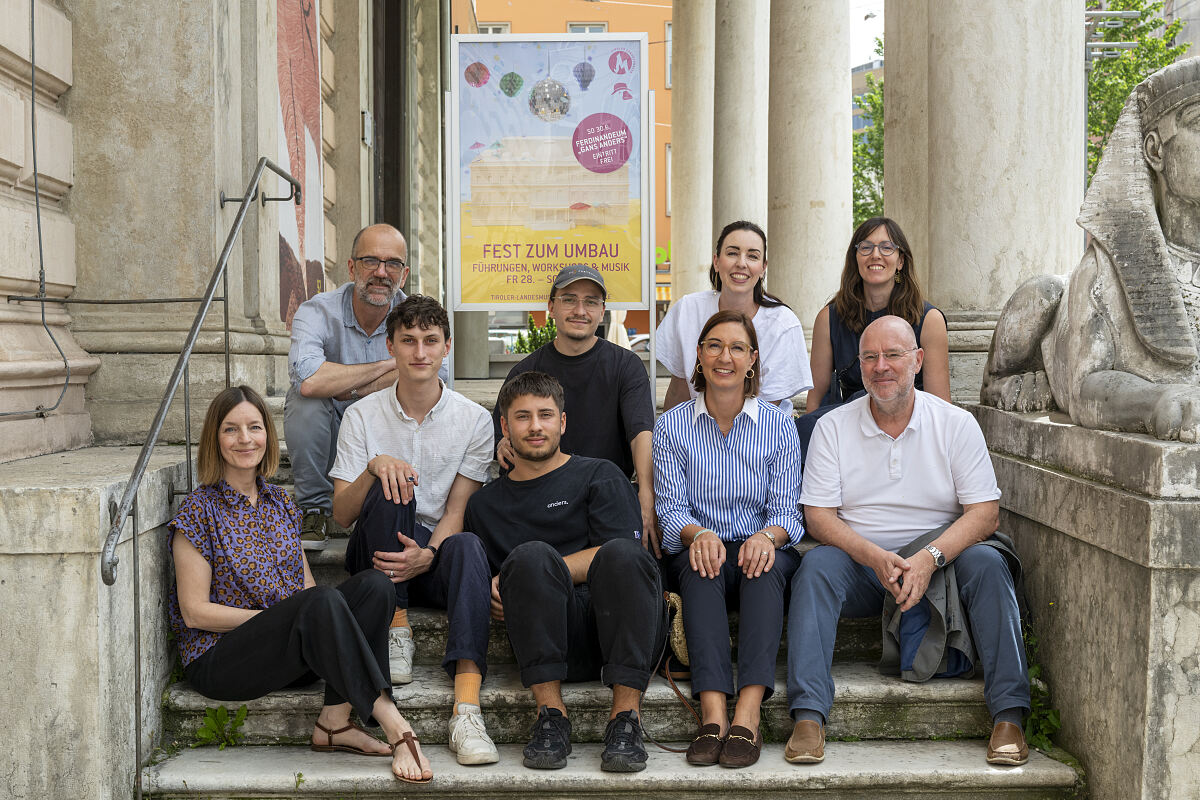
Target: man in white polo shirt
<point>900,469</point>
<point>407,460</point>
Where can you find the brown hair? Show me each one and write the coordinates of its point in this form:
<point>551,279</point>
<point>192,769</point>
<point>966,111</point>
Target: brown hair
<point>535,383</point>
<point>720,318</point>
<point>418,311</point>
<point>905,301</point>
<point>761,297</point>
<point>210,464</point>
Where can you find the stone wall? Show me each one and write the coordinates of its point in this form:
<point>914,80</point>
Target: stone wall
<point>31,370</point>
<point>1108,527</point>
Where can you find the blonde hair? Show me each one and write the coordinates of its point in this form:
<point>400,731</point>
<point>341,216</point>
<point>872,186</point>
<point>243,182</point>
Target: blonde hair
<point>210,465</point>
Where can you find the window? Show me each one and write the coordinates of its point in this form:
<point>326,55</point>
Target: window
<point>668,209</point>
<point>587,27</point>
<point>495,27</point>
<point>667,44</point>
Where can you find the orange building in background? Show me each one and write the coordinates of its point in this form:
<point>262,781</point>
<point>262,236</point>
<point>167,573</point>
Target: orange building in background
<point>652,17</point>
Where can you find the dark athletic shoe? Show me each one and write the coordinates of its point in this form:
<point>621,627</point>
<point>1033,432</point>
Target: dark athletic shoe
<point>551,742</point>
<point>623,748</point>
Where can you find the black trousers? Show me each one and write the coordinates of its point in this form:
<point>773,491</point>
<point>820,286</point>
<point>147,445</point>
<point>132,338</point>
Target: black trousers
<point>612,627</point>
<point>706,603</point>
<point>339,634</point>
<point>460,581</point>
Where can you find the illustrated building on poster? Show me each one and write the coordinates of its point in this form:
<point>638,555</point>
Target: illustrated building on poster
<point>537,183</point>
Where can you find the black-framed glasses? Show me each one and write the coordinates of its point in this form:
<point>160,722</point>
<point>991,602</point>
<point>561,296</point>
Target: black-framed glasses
<point>866,248</point>
<point>890,356</point>
<point>372,263</point>
<point>714,347</point>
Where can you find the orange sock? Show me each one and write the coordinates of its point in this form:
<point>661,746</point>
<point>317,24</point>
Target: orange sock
<point>466,688</point>
<point>400,618</point>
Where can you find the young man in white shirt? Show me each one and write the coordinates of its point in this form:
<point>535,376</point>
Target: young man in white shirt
<point>407,460</point>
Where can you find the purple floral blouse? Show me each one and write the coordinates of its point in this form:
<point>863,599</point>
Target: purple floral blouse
<point>254,553</point>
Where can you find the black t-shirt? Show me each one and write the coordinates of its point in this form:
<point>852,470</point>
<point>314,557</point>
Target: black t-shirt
<point>607,397</point>
<point>582,504</point>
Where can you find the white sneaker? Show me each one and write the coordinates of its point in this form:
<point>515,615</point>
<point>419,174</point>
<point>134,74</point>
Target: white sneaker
<point>401,650</point>
<point>469,738</point>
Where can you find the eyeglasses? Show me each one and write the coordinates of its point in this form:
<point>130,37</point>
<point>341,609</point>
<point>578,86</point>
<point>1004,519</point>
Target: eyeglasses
<point>372,263</point>
<point>866,248</point>
<point>713,348</point>
<point>890,356</point>
<point>572,300</point>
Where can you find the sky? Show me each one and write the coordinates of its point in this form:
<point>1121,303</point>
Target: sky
<point>864,32</point>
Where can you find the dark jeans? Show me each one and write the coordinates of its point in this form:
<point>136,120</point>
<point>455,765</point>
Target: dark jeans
<point>336,634</point>
<point>706,603</point>
<point>459,582</point>
<point>612,627</point>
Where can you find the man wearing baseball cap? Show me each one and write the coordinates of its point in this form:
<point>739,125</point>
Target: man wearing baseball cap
<point>609,402</point>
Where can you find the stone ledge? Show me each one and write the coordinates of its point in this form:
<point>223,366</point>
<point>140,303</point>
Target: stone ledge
<point>851,771</point>
<point>1130,461</point>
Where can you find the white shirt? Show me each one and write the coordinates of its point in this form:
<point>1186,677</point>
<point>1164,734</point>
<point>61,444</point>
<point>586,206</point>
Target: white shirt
<point>890,491</point>
<point>782,353</point>
<point>455,438</point>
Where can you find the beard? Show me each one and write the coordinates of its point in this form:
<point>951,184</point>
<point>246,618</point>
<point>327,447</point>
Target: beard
<point>542,453</point>
<point>362,289</point>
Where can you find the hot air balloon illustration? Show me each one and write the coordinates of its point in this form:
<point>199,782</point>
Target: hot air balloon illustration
<point>511,83</point>
<point>477,74</point>
<point>549,100</point>
<point>584,73</point>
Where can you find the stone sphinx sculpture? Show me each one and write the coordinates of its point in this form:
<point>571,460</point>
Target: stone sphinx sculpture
<point>1115,343</point>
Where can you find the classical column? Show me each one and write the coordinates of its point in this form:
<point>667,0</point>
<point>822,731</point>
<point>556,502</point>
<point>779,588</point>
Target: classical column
<point>32,370</point>
<point>809,205</point>
<point>739,121</point>
<point>692,55</point>
<point>984,155</point>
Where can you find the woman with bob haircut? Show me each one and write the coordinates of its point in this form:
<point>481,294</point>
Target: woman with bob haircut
<point>246,612</point>
<point>738,276</point>
<point>727,483</point>
<point>878,280</point>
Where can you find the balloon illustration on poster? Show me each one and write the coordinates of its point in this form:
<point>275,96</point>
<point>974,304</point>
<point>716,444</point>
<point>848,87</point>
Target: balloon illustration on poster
<point>549,100</point>
<point>584,73</point>
<point>511,83</point>
<point>477,74</point>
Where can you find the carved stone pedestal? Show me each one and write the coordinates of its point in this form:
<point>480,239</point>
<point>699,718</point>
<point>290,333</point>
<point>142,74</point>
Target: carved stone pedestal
<point>1108,528</point>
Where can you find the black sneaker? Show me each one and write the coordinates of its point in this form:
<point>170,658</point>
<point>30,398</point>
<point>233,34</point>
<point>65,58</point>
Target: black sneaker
<point>623,748</point>
<point>551,742</point>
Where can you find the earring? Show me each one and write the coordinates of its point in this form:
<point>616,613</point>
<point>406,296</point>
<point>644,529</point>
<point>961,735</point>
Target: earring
<point>696,370</point>
<point>897,278</point>
<point>750,373</point>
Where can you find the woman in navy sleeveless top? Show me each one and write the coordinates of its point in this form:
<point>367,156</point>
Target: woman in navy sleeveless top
<point>878,280</point>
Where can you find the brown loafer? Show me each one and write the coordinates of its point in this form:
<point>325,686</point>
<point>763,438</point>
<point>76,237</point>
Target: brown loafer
<point>742,747</point>
<point>705,749</point>
<point>1007,746</point>
<point>806,744</point>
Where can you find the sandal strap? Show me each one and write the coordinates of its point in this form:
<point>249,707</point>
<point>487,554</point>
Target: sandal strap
<point>331,733</point>
<point>412,741</point>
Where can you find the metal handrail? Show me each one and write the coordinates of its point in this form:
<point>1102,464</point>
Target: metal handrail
<point>108,555</point>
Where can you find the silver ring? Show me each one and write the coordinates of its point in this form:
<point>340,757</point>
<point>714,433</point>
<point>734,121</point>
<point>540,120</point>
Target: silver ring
<point>391,573</point>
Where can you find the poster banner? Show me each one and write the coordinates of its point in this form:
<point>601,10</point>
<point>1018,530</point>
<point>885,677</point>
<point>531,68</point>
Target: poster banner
<point>548,166</point>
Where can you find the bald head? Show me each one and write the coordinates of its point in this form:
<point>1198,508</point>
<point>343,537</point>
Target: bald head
<point>890,359</point>
<point>378,229</point>
<point>887,333</point>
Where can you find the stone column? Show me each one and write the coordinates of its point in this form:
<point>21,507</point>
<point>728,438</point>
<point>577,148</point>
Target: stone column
<point>32,372</point>
<point>984,155</point>
<point>352,160</point>
<point>741,85</point>
<point>809,202</point>
<point>693,29</point>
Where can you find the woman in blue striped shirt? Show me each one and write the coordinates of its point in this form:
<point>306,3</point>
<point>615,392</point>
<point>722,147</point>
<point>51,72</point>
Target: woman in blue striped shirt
<point>727,483</point>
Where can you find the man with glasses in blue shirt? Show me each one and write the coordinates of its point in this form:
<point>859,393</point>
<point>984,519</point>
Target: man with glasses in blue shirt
<point>606,387</point>
<point>339,354</point>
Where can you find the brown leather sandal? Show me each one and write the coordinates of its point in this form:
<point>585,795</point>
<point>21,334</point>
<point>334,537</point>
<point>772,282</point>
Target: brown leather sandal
<point>343,748</point>
<point>412,741</point>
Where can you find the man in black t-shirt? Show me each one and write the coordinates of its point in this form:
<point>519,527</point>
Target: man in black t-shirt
<point>606,388</point>
<point>579,594</point>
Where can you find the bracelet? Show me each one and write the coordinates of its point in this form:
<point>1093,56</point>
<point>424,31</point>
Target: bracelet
<point>703,531</point>
<point>431,549</point>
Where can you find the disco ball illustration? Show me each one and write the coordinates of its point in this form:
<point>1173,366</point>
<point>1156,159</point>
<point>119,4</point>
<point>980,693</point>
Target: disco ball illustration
<point>549,100</point>
<point>477,74</point>
<point>511,83</point>
<point>584,73</point>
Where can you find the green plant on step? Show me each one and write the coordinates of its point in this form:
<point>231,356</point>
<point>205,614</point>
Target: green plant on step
<point>535,336</point>
<point>299,779</point>
<point>220,728</point>
<point>1044,721</point>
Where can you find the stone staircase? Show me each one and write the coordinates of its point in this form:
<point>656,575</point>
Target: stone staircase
<point>888,738</point>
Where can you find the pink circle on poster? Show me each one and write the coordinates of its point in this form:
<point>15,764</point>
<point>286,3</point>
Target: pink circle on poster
<point>602,143</point>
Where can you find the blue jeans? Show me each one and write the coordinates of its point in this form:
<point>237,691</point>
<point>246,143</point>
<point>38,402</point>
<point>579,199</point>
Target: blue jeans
<point>830,585</point>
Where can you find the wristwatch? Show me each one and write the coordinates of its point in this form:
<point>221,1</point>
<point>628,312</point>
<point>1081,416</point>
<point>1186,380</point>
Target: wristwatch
<point>939,560</point>
<point>354,395</point>
<point>769,535</point>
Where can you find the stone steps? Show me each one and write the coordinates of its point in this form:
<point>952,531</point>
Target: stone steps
<point>867,706</point>
<point>876,770</point>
